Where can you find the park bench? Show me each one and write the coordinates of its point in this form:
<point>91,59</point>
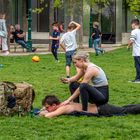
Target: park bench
<point>16,46</point>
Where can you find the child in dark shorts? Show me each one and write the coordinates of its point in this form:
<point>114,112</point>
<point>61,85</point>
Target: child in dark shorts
<point>55,40</point>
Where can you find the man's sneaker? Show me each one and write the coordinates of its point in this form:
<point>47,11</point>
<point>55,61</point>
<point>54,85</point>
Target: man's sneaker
<point>34,49</point>
<point>135,81</point>
<point>57,61</point>
<point>96,54</point>
<point>103,51</point>
<point>6,53</point>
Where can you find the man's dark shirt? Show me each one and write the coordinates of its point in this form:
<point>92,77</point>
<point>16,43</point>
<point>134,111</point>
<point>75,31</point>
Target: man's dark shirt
<point>55,34</point>
<point>97,33</point>
<point>18,32</point>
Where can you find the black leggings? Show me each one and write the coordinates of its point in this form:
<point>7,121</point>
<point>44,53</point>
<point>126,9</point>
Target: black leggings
<point>72,87</point>
<point>88,93</point>
<point>109,110</point>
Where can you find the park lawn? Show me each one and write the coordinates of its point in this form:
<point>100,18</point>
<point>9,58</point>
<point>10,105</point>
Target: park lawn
<point>45,78</point>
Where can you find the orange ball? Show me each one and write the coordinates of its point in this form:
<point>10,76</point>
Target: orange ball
<point>35,58</point>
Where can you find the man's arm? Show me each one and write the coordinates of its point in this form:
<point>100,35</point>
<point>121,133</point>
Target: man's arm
<point>21,35</point>
<point>130,44</point>
<point>62,42</point>
<point>63,47</point>
<point>132,39</point>
<point>92,35</point>
<point>54,38</point>
<point>60,111</point>
<point>78,26</point>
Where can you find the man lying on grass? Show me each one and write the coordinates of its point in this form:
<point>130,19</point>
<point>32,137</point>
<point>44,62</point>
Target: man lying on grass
<point>52,107</point>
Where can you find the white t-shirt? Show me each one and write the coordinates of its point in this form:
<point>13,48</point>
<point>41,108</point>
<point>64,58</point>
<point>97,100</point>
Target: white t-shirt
<point>69,40</point>
<point>135,37</point>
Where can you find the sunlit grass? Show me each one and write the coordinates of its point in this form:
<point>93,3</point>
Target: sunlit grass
<point>45,75</point>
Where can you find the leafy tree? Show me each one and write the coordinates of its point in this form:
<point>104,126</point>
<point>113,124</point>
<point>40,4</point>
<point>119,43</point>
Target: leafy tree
<point>99,5</point>
<point>98,2</point>
<point>134,6</point>
<point>56,3</point>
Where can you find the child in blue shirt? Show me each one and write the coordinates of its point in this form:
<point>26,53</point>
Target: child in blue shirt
<point>55,40</point>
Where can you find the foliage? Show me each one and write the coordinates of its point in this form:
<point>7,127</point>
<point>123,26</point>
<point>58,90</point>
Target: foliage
<point>101,3</point>
<point>45,75</point>
<point>43,5</point>
<point>134,6</point>
<point>58,4</point>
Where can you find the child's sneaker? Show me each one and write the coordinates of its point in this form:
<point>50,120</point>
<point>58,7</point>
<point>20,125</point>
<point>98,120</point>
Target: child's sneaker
<point>57,61</point>
<point>6,53</point>
<point>135,81</point>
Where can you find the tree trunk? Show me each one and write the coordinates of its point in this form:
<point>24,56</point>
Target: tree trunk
<point>51,19</point>
<point>68,11</point>
<point>78,17</point>
<point>81,23</point>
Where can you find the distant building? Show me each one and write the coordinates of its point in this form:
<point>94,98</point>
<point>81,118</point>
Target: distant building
<point>115,19</point>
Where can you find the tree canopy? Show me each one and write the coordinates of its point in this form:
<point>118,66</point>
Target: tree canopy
<point>56,3</point>
<point>134,6</point>
<point>101,3</point>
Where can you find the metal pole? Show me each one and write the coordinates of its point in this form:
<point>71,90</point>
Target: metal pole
<point>90,28</point>
<point>29,25</point>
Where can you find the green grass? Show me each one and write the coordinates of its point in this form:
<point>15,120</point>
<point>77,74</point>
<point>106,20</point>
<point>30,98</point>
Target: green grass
<point>45,75</point>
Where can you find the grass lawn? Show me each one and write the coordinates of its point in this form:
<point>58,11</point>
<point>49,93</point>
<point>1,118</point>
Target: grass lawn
<point>45,75</point>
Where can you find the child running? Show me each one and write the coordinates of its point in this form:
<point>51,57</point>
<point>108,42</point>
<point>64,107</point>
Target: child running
<point>69,44</point>
<point>55,40</point>
<point>135,42</point>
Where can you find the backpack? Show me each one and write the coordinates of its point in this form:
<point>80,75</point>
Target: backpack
<point>16,98</point>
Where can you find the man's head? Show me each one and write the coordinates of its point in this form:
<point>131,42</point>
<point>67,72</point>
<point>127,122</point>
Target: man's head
<point>55,25</point>
<point>135,23</point>
<point>50,102</point>
<point>71,27</point>
<point>17,27</point>
<point>95,24</point>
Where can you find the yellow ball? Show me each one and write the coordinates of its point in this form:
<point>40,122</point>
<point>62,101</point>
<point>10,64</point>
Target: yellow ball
<point>35,59</point>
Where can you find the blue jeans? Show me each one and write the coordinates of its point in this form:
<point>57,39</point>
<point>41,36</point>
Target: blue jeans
<point>96,44</point>
<point>22,43</point>
<point>68,56</point>
<point>54,51</point>
<point>137,66</point>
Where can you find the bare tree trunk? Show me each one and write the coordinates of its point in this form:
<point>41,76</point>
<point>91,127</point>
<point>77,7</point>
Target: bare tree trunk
<point>78,17</point>
<point>51,19</point>
<point>74,11</point>
<point>68,10</point>
<point>72,2</point>
<point>100,14</point>
<point>81,22</point>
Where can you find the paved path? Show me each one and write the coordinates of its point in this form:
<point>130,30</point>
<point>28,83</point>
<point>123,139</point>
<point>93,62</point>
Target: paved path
<point>44,50</point>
